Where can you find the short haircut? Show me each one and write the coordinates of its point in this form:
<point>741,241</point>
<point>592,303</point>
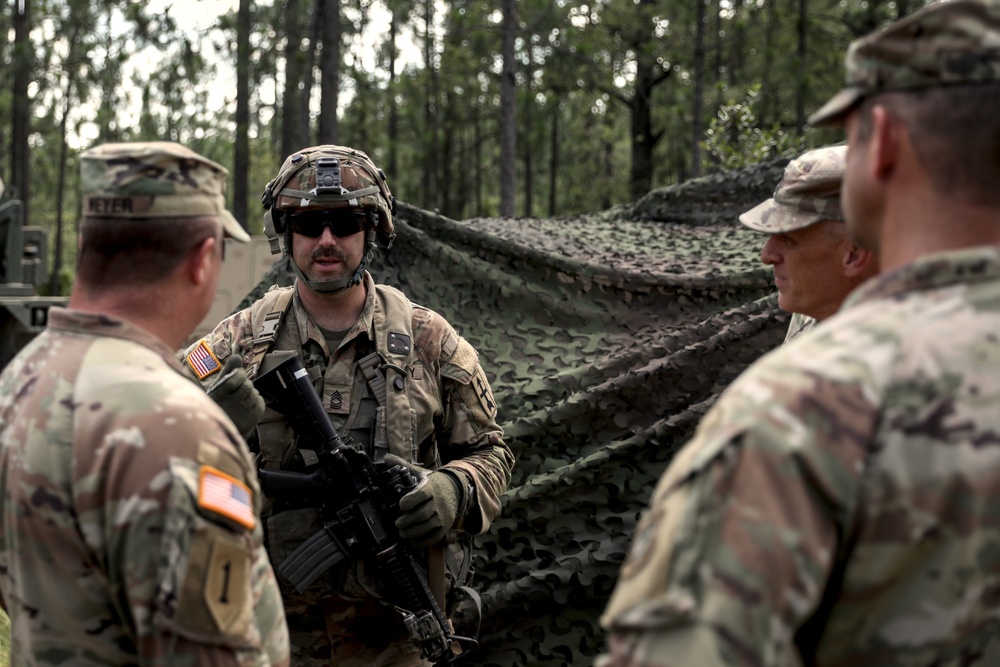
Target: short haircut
<point>955,131</point>
<point>117,252</point>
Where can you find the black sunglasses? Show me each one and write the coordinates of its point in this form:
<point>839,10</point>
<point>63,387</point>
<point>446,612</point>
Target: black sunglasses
<point>311,223</point>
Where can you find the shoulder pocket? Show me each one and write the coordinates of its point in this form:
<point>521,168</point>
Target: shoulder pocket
<point>463,367</point>
<point>205,581</point>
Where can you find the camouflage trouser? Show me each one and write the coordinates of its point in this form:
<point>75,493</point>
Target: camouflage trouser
<point>339,633</point>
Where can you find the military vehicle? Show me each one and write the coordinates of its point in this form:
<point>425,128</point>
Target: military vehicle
<point>23,253</point>
<point>243,269</point>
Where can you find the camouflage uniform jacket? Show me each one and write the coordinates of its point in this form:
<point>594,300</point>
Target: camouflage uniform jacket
<point>839,504</point>
<point>451,416</point>
<point>114,548</point>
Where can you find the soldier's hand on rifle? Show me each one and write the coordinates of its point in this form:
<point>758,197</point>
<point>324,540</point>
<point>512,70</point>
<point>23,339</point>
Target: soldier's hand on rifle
<point>430,510</point>
<point>236,395</point>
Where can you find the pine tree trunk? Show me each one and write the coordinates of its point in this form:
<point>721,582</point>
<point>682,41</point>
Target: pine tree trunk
<point>21,106</point>
<point>553,158</point>
<point>697,106</point>
<point>528,138</point>
<point>290,112</point>
<point>769,93</point>
<point>508,119</point>
<point>314,28</point>
<point>329,126</point>
<point>241,148</point>
<point>802,81</point>
<point>430,110</point>
<point>393,164</point>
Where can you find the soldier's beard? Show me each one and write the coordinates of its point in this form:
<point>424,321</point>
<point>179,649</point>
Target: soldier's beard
<point>346,267</point>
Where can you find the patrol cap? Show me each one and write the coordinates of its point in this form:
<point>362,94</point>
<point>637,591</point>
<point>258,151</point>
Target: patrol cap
<point>809,191</point>
<point>154,179</point>
<point>947,43</point>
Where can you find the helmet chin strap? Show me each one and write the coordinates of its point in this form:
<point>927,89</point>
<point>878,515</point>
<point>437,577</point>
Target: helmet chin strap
<point>340,284</point>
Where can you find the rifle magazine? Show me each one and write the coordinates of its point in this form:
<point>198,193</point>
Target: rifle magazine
<point>311,559</point>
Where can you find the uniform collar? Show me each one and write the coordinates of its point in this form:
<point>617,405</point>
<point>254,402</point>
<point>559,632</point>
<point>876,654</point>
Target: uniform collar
<point>98,324</point>
<point>309,330</point>
<point>969,265</point>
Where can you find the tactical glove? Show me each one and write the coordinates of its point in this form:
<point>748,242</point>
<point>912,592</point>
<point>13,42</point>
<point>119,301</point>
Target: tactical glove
<point>236,395</point>
<point>430,510</point>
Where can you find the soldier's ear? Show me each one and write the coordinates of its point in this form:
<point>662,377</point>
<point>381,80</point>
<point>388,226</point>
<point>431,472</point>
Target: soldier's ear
<point>858,261</point>
<point>199,263</point>
<point>886,142</point>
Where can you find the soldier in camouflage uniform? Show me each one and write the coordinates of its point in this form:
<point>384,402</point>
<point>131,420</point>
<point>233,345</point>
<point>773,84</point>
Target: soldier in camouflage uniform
<point>838,505</point>
<point>816,265</point>
<point>394,377</point>
<point>129,533</point>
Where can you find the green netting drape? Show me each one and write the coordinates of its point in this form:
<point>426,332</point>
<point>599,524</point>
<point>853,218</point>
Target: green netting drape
<point>606,338</point>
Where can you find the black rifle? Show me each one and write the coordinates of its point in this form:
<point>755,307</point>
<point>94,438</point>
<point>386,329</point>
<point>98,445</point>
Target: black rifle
<point>359,505</point>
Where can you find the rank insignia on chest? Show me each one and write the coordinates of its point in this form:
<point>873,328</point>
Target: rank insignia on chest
<point>203,361</point>
<point>337,399</point>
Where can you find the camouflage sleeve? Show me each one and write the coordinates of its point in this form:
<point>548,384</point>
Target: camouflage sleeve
<point>473,441</point>
<point>178,524</point>
<point>203,359</point>
<point>735,551</point>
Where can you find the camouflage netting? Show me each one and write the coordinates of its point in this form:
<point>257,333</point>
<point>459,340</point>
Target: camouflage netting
<point>606,338</point>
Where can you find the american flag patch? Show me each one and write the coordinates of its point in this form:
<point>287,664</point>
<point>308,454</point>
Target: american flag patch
<point>203,361</point>
<point>226,495</point>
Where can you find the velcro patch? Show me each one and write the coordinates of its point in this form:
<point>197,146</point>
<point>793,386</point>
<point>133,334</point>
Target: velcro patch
<point>225,495</point>
<point>398,343</point>
<point>203,361</point>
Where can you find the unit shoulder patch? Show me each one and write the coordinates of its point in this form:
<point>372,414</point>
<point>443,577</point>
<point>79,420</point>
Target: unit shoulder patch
<point>225,595</point>
<point>481,386</point>
<point>215,599</point>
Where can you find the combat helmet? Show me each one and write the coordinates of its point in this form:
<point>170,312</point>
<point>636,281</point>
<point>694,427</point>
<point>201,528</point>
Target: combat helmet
<point>329,177</point>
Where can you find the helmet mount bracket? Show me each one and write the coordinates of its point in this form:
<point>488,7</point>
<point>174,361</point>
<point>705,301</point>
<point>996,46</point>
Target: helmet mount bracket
<point>328,180</point>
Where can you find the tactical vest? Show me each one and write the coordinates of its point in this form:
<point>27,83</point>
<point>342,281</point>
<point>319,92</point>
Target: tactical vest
<point>382,420</point>
<point>383,416</point>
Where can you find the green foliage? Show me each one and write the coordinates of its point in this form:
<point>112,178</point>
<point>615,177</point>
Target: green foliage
<point>599,153</point>
<point>612,80</point>
<point>735,139</point>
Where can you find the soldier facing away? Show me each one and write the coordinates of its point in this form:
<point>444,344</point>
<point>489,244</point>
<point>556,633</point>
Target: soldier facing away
<point>816,264</point>
<point>395,379</point>
<point>838,504</point>
<point>128,531</point>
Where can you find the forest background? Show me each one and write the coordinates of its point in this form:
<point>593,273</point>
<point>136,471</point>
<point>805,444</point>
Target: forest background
<point>534,108</point>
